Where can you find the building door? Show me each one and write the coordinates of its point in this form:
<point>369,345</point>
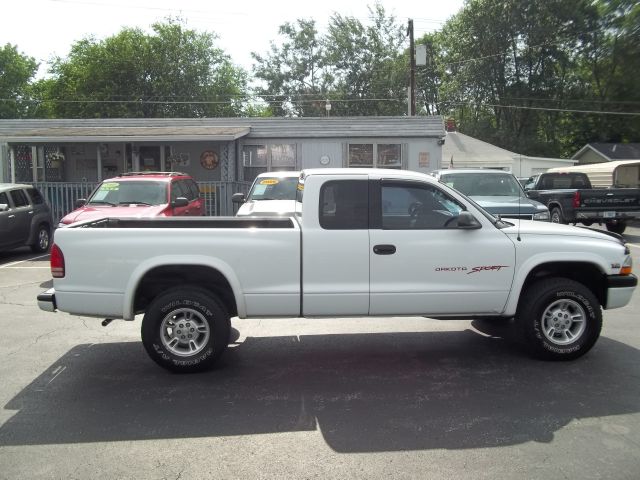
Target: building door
<point>149,158</point>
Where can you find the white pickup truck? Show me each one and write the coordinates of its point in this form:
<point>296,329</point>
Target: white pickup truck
<point>368,242</point>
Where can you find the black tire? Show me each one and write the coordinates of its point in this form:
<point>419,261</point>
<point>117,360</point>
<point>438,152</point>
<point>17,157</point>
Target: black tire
<point>556,215</point>
<point>561,319</point>
<point>186,329</point>
<point>43,239</point>
<point>617,227</point>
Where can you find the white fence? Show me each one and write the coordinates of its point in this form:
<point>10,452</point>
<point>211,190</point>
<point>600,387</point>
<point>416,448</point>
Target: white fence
<point>62,196</point>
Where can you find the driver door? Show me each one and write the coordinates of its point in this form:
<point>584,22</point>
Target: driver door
<point>421,263</point>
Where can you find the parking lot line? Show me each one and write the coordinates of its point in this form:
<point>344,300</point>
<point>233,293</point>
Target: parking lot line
<point>10,265</point>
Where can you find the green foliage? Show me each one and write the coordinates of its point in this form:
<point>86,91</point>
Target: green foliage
<point>16,70</point>
<point>294,71</point>
<point>359,68</point>
<point>510,71</point>
<point>515,73</point>
<point>173,72</point>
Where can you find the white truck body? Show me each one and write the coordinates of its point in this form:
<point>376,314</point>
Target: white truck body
<point>298,266</point>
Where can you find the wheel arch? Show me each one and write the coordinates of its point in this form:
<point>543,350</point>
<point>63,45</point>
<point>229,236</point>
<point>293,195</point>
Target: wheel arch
<point>588,273</point>
<point>157,276</point>
<point>555,204</point>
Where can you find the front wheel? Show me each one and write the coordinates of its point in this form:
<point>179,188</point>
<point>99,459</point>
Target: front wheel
<point>186,329</point>
<point>561,319</point>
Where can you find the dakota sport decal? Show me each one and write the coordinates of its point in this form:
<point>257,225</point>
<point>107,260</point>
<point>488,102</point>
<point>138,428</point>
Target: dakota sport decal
<point>482,268</point>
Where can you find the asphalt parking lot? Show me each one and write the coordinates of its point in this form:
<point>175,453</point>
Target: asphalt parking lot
<point>295,398</point>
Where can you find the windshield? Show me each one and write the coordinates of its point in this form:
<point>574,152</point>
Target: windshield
<point>274,188</point>
<point>130,192</point>
<point>484,184</point>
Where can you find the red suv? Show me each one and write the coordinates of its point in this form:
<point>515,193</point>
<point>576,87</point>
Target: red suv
<point>140,194</point>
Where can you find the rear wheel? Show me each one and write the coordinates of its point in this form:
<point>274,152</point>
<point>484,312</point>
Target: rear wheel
<point>43,239</point>
<point>616,227</point>
<point>561,319</point>
<point>186,329</point>
<point>556,215</point>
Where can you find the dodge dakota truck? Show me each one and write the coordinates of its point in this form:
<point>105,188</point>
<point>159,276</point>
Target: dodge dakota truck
<point>367,243</point>
<point>571,199</point>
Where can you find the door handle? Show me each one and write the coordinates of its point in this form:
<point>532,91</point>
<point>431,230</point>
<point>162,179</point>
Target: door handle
<point>384,249</point>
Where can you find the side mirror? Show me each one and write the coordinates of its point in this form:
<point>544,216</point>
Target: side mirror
<point>180,202</point>
<point>81,202</point>
<point>4,207</point>
<point>466,221</point>
<point>238,198</point>
<point>532,194</point>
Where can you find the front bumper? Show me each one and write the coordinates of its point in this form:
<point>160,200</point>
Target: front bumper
<point>47,300</point>
<point>619,290</point>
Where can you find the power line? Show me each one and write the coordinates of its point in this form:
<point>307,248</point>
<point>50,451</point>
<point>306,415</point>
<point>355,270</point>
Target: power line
<point>316,100</point>
<point>546,109</point>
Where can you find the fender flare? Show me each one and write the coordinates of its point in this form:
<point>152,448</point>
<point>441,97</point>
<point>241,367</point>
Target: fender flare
<point>167,260</point>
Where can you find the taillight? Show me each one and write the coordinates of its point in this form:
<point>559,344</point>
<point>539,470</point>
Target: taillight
<point>576,200</point>
<point>57,262</point>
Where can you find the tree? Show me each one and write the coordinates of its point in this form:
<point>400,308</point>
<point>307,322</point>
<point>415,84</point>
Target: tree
<point>16,71</point>
<point>370,71</point>
<point>173,72</point>
<point>360,68</point>
<point>294,73</point>
<point>514,73</point>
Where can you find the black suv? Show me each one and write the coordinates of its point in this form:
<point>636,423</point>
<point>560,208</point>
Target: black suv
<point>25,218</point>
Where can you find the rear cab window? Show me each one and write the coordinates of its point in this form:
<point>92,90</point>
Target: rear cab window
<point>344,205</point>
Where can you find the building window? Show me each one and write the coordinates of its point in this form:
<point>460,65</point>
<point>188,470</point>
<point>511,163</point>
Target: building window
<point>258,159</point>
<point>389,156</point>
<point>368,155</point>
<point>283,157</point>
<point>360,155</point>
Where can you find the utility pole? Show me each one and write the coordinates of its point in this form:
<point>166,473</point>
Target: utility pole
<point>412,73</point>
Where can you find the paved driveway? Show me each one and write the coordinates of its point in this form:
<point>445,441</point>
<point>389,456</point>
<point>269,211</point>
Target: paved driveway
<point>340,398</point>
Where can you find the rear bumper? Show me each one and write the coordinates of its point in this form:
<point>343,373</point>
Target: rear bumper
<point>47,300</point>
<point>619,290</point>
<point>612,214</point>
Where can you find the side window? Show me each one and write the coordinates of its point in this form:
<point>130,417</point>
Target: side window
<point>421,207</point>
<point>186,189</point>
<point>36,197</point>
<point>177,190</point>
<point>4,199</point>
<point>19,198</point>
<point>344,205</point>
<point>193,188</point>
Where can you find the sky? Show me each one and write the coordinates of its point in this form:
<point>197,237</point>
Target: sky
<point>44,29</point>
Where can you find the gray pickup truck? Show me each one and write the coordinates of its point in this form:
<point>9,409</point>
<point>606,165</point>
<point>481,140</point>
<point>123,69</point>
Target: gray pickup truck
<point>571,199</point>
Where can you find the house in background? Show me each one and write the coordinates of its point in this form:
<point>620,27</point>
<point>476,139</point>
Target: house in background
<point>463,151</point>
<point>66,158</point>
<point>607,152</point>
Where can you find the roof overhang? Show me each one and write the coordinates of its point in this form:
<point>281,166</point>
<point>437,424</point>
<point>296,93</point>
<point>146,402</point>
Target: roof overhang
<point>125,134</point>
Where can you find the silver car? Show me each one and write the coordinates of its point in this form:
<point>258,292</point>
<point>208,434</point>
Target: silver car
<point>498,192</point>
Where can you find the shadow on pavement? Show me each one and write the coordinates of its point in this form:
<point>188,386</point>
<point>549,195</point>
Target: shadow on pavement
<point>363,392</point>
